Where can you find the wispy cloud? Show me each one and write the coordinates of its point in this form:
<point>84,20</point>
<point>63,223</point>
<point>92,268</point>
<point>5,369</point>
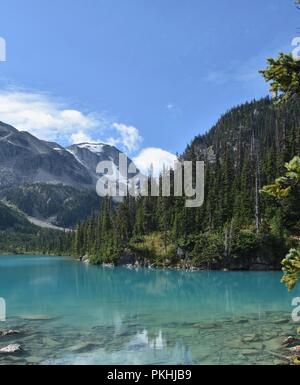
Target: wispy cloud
<point>129,136</point>
<point>42,116</point>
<point>50,119</point>
<point>81,137</point>
<point>241,72</point>
<point>246,73</point>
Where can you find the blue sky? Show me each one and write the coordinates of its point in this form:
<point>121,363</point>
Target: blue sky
<point>154,73</point>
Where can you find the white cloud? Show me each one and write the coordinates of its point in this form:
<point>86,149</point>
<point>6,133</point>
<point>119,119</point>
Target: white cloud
<point>129,136</point>
<point>44,117</point>
<point>81,137</point>
<point>50,119</point>
<point>155,157</point>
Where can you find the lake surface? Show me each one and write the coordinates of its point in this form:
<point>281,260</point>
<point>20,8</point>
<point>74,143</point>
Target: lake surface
<point>73,313</point>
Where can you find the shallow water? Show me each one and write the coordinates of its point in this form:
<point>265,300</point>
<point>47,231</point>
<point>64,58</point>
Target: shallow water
<point>72,313</point>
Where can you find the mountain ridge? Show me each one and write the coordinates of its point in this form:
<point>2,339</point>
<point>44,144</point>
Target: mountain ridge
<point>26,159</point>
<point>50,182</point>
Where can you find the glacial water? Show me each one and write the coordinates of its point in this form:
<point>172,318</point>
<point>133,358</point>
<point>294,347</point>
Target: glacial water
<point>72,313</point>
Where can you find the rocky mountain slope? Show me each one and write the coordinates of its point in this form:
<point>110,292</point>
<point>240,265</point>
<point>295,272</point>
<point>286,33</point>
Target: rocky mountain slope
<point>24,159</point>
<point>50,182</point>
<point>90,154</point>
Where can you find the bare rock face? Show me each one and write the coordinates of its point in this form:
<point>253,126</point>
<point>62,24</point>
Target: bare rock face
<point>24,159</point>
<point>91,154</point>
<point>39,178</point>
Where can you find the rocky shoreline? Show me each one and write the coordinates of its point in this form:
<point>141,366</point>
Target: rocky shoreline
<point>132,260</point>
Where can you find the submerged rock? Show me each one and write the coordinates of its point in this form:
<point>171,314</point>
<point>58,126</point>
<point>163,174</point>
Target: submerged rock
<point>33,360</point>
<point>273,344</point>
<point>249,352</point>
<point>50,342</point>
<point>240,320</point>
<point>279,362</point>
<point>83,347</point>
<point>281,321</point>
<point>8,332</point>
<point>206,325</point>
<point>290,341</point>
<point>11,349</point>
<point>251,338</point>
<point>38,318</point>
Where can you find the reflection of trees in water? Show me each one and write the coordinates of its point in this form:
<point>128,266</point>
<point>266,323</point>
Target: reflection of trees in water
<point>168,290</point>
<point>158,284</point>
<point>149,296</point>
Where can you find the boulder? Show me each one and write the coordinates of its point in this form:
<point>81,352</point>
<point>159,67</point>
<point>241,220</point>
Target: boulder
<point>11,349</point>
<point>290,341</point>
<point>240,320</point>
<point>281,321</point>
<point>85,259</point>
<point>249,352</point>
<point>8,332</point>
<point>126,259</point>
<point>83,347</point>
<point>250,338</point>
<point>295,349</point>
<point>108,265</point>
<point>206,325</point>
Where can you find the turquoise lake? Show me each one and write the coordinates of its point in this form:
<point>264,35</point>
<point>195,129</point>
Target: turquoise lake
<point>72,313</point>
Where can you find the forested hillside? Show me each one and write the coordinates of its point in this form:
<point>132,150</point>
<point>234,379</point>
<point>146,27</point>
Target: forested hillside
<point>12,220</point>
<point>237,227</point>
<point>60,205</point>
<point>18,235</point>
<point>251,143</point>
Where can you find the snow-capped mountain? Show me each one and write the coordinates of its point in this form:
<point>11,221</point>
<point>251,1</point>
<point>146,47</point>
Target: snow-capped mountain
<point>24,159</point>
<point>48,182</point>
<point>89,155</point>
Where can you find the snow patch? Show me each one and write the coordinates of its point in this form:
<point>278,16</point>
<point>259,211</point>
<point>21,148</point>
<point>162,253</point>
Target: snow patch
<point>76,157</point>
<point>95,148</point>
